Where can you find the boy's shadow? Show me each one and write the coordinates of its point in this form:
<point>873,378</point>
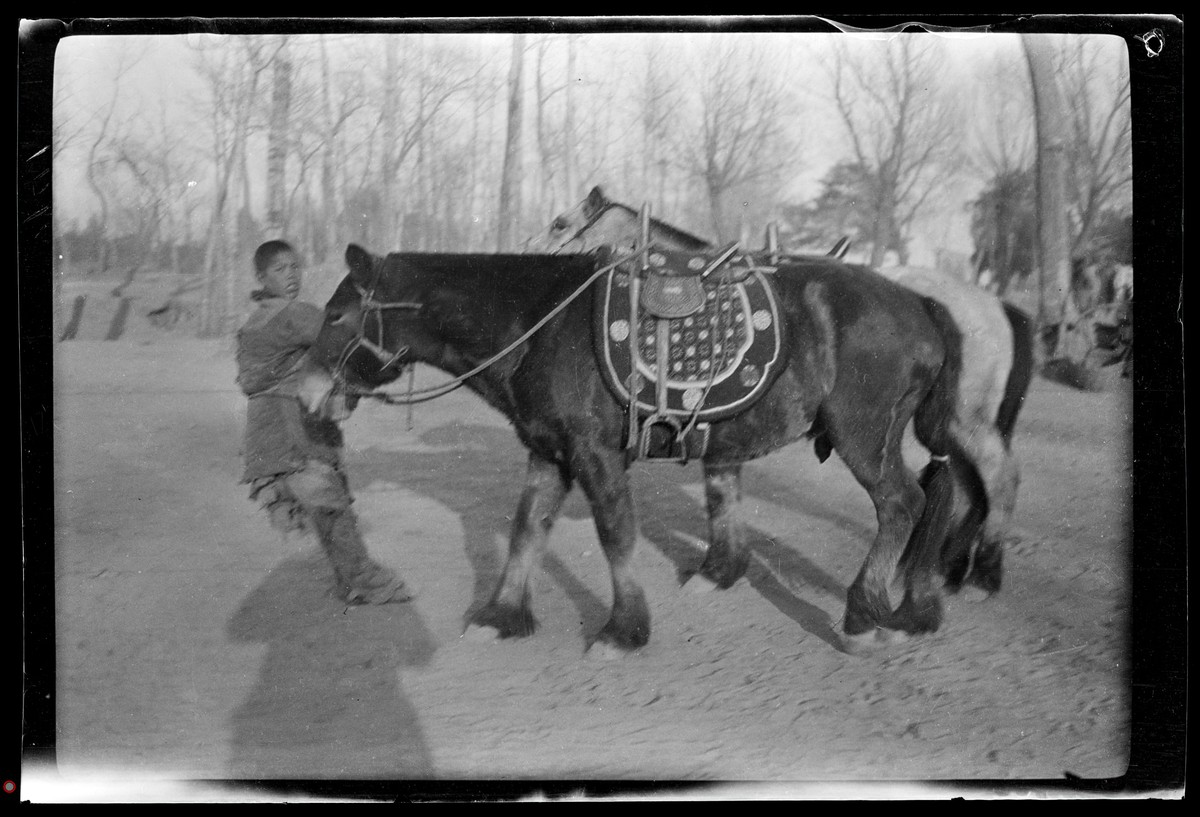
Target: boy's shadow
<point>328,701</point>
<point>474,460</point>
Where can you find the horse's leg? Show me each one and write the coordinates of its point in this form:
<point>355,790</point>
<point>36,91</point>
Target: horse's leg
<point>601,474</point>
<point>507,614</point>
<point>876,462</point>
<point>727,556</point>
<point>973,554</point>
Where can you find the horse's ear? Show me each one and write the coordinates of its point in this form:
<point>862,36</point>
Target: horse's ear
<point>595,202</point>
<point>361,264</point>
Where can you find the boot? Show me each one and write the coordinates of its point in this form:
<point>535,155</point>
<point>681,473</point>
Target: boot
<point>360,579</point>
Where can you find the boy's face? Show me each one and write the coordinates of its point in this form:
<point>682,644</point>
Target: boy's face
<point>283,275</point>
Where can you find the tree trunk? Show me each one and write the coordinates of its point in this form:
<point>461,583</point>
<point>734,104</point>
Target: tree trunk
<point>509,211</point>
<point>1054,240</point>
<point>281,97</point>
<point>330,211</point>
<point>389,218</point>
<point>569,173</point>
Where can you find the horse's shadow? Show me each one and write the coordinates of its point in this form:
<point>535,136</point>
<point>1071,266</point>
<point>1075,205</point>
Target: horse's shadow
<point>472,460</point>
<point>327,702</point>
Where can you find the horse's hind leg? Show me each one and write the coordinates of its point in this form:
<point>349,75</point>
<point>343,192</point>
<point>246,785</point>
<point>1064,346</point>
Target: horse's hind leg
<point>507,614</point>
<point>601,474</point>
<point>878,466</point>
<point>727,556</point>
<point>988,568</point>
<point>973,553</point>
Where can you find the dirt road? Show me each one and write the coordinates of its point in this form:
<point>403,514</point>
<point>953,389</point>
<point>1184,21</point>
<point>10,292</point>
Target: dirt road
<point>192,642</point>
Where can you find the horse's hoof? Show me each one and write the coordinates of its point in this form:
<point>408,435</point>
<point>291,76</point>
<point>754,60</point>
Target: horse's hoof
<point>480,634</point>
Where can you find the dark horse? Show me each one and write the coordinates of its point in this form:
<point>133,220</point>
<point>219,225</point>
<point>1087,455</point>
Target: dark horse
<point>863,358</point>
<point>997,367</point>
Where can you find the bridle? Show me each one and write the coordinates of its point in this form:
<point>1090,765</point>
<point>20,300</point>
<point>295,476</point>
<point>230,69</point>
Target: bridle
<point>587,225</point>
<point>368,305</point>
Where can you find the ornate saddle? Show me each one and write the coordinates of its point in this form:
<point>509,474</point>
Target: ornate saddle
<point>693,337</point>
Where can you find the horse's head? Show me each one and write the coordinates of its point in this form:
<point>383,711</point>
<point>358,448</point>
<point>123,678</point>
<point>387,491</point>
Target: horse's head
<point>371,324</point>
<point>598,221</point>
<point>573,230</point>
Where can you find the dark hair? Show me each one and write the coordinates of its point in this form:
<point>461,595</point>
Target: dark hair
<point>266,253</point>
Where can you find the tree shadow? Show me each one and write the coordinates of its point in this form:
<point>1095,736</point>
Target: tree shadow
<point>474,459</point>
<point>327,702</point>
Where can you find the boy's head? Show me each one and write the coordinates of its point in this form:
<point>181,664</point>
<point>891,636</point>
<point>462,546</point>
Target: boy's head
<point>278,269</point>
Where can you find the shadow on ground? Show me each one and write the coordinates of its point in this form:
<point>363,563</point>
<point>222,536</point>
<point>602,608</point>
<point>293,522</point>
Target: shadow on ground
<point>328,701</point>
<point>478,472</point>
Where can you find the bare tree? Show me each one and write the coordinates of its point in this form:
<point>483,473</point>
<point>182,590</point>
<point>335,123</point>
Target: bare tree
<point>1096,97</point>
<point>570,173</point>
<point>277,139</point>
<point>743,136</point>
<point>902,132</point>
<point>659,101</point>
<point>233,81</point>
<point>99,159</point>
<point>157,162</point>
<point>510,182</point>
<point>414,87</point>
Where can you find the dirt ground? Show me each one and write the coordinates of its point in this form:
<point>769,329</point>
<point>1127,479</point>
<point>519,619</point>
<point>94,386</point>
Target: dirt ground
<point>193,643</point>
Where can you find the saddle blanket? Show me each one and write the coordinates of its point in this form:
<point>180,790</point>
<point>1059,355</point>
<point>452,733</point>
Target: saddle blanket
<point>717,360</point>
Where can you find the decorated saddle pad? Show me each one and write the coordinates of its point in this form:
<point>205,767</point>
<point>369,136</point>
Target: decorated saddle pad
<point>717,359</point>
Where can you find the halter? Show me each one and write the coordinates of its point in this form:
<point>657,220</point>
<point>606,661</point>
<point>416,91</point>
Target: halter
<point>587,225</point>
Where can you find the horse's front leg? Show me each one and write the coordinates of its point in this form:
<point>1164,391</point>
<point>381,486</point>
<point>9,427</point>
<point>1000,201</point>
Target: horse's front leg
<point>507,614</point>
<point>727,556</point>
<point>601,474</point>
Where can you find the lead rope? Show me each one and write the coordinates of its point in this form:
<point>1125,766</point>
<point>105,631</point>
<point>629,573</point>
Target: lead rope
<point>412,371</point>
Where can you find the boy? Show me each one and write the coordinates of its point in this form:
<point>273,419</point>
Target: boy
<point>292,456</point>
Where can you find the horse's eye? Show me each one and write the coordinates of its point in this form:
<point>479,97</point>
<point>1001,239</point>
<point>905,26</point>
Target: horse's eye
<point>559,224</point>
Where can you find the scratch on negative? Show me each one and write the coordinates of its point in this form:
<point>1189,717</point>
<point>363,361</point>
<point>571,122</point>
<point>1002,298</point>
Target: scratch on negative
<point>887,439</point>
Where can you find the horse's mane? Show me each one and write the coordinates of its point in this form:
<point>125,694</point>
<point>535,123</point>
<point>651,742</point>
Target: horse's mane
<point>681,235</point>
<point>452,260</point>
<point>498,276</point>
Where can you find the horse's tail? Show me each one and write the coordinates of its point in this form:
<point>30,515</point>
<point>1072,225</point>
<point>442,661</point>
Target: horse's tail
<point>1020,375</point>
<point>951,472</point>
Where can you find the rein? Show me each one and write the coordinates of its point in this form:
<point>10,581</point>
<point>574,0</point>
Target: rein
<point>369,305</point>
